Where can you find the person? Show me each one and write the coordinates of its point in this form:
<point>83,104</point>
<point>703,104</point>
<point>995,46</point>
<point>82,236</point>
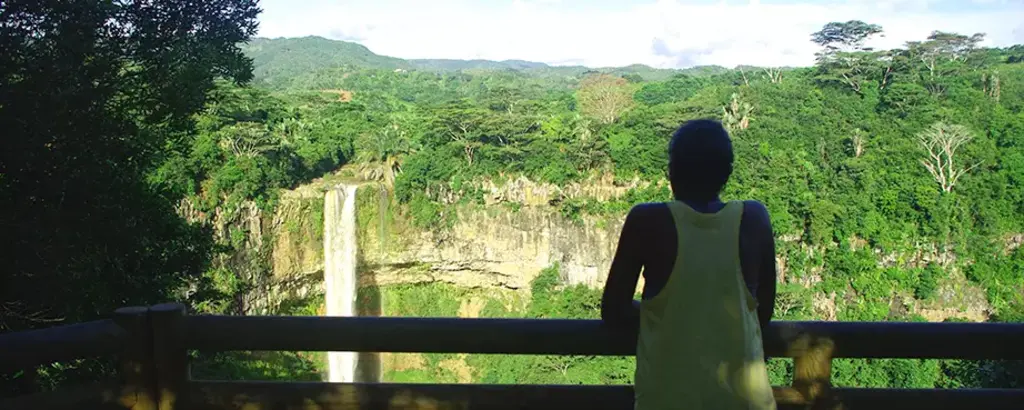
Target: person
<point>699,323</point>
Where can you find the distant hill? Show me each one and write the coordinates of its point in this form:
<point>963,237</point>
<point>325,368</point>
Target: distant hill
<point>458,65</point>
<point>281,59</point>
<point>278,62</point>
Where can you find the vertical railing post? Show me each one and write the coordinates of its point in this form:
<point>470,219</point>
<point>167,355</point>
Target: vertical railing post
<point>167,322</point>
<point>139,390</point>
<point>812,371</point>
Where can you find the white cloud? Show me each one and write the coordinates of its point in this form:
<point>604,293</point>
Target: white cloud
<point>663,33</point>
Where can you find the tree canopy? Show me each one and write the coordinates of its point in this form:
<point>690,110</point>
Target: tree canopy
<point>93,96</point>
<point>894,177</point>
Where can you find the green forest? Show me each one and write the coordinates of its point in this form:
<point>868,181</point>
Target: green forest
<point>126,124</point>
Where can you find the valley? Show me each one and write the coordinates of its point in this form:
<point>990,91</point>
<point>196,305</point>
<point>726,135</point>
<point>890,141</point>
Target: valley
<point>483,192</point>
<point>309,176</point>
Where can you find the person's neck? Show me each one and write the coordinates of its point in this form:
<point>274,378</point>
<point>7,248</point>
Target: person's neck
<point>703,206</point>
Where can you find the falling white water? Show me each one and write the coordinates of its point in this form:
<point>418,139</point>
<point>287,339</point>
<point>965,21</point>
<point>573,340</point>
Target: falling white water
<point>340,271</point>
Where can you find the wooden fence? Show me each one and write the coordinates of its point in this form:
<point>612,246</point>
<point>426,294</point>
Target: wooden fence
<point>152,344</point>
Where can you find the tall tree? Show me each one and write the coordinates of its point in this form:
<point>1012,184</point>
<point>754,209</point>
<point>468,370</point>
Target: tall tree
<point>943,54</point>
<point>941,141</point>
<point>845,37</point>
<point>462,124</point>
<point>844,58</point>
<point>955,47</point>
<point>604,97</point>
<point>891,64</point>
<point>91,94</point>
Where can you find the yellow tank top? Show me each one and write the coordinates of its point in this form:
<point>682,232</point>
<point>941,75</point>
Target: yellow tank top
<point>700,342</point>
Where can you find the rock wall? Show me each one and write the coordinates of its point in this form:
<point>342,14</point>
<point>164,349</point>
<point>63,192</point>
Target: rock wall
<point>487,246</point>
<point>505,243</point>
<point>498,247</point>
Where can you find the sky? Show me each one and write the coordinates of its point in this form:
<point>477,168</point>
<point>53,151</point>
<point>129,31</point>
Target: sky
<point>606,33</point>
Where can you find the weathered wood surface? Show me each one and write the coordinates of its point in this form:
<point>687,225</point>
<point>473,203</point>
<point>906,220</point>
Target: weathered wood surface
<point>20,350</point>
<point>170,358</point>
<point>209,395</point>
<point>152,343</point>
<point>98,396</point>
<point>137,370</point>
<point>812,371</point>
<point>585,337</point>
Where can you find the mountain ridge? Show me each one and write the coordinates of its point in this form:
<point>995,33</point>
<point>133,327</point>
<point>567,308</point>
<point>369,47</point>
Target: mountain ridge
<point>279,58</point>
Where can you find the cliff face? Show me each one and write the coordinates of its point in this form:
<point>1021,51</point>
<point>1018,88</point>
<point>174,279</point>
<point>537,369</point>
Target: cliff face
<point>506,242</point>
<point>497,247</point>
<point>488,246</point>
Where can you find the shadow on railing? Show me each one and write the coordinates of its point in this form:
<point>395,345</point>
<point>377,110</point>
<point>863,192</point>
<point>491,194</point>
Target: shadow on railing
<point>152,344</point>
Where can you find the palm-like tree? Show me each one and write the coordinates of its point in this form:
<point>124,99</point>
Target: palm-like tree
<point>737,115</point>
<point>293,130</point>
<point>382,152</point>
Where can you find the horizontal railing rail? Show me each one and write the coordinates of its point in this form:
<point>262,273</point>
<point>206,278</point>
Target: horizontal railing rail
<point>19,350</point>
<point>153,343</point>
<point>94,396</point>
<point>127,336</point>
<point>585,337</point>
<point>218,395</point>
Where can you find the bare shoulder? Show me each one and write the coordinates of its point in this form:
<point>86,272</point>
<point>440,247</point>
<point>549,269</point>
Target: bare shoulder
<point>755,207</point>
<point>645,213</point>
<point>756,214</point>
<point>648,209</point>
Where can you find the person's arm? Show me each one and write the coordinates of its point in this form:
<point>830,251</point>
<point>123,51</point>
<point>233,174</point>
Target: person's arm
<point>766,288</point>
<point>766,271</point>
<point>618,308</point>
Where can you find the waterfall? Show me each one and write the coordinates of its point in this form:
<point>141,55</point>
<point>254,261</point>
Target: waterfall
<point>340,272</point>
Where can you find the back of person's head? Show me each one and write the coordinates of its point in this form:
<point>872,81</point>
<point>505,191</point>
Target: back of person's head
<point>700,160</point>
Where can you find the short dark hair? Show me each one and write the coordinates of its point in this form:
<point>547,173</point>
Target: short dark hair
<point>700,160</point>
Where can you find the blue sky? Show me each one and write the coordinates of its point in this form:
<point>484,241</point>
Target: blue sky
<point>659,33</point>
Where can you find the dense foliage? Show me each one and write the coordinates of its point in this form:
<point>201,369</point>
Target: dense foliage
<point>91,95</point>
<point>895,178</point>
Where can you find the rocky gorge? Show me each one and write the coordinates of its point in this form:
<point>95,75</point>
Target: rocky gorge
<point>504,243</point>
<point>484,262</point>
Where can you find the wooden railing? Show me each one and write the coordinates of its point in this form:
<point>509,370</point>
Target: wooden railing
<point>152,344</point>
